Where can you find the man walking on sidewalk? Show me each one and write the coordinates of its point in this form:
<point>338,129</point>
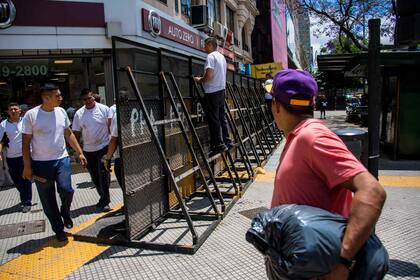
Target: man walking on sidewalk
<point>46,129</point>
<point>214,83</point>
<point>11,142</point>
<point>317,169</point>
<point>91,122</point>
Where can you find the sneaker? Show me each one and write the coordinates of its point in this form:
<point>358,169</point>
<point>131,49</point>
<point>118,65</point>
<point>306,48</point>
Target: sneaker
<point>219,149</point>
<point>106,208</point>
<point>61,236</point>
<point>26,208</point>
<point>68,223</point>
<point>230,145</point>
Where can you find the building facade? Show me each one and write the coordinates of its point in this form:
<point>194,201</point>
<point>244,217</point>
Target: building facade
<point>69,42</point>
<point>269,38</point>
<point>282,34</point>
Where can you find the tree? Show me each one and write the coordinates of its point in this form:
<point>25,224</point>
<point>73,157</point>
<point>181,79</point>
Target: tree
<point>346,20</point>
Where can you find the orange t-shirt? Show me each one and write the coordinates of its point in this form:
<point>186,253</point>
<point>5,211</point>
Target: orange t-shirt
<point>313,163</point>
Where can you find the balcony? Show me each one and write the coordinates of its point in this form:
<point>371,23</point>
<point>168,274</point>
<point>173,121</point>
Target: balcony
<point>251,6</point>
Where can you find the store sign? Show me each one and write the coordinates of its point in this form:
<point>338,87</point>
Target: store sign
<point>155,24</point>
<point>7,13</point>
<point>244,69</point>
<point>159,26</point>
<point>259,71</point>
<point>23,70</point>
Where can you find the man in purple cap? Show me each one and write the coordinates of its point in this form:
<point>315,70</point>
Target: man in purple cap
<point>317,169</point>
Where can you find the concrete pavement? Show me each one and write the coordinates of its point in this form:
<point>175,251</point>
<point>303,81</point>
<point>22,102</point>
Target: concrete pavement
<point>224,255</point>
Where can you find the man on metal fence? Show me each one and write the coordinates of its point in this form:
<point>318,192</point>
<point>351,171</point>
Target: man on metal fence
<point>214,83</point>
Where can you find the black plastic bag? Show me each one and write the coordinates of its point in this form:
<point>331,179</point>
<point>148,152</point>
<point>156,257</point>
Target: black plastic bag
<point>302,242</point>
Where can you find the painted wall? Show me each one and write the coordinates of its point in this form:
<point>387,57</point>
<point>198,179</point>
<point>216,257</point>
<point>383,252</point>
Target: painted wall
<point>278,31</point>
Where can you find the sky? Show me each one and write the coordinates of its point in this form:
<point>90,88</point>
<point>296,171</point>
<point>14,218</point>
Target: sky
<point>318,42</point>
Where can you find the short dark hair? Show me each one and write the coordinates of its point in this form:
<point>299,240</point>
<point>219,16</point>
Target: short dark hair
<point>85,91</point>
<point>47,89</point>
<point>212,41</point>
<point>12,104</point>
<point>97,97</point>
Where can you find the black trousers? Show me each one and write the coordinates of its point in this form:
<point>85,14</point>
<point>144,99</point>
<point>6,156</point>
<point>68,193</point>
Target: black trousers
<point>214,108</point>
<point>100,177</point>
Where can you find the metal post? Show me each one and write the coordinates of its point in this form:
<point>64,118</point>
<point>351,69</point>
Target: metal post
<point>374,95</point>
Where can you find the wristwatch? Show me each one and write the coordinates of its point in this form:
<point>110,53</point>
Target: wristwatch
<point>348,263</point>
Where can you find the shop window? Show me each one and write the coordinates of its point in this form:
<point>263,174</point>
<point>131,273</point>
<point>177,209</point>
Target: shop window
<point>21,79</point>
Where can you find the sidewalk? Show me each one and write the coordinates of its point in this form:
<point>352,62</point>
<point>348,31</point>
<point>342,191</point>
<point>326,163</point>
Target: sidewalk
<point>224,255</point>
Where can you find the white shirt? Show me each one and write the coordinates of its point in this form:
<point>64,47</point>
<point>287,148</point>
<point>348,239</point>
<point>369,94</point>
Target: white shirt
<point>93,123</point>
<point>13,131</point>
<point>217,62</point>
<point>47,130</point>
<point>112,111</point>
<point>114,133</point>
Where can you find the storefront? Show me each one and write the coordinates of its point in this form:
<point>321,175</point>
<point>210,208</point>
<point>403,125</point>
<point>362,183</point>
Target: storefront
<point>72,48</point>
<point>21,78</point>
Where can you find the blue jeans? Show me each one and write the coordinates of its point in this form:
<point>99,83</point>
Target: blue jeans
<point>54,171</point>
<point>23,186</point>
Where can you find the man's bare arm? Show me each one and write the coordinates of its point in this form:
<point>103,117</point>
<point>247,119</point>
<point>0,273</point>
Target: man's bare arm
<point>26,153</point>
<point>208,75</point>
<point>113,144</point>
<point>369,198</point>
<point>71,139</point>
<point>77,134</point>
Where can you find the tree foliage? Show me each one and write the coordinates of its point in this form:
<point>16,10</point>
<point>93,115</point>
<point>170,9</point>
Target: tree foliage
<point>346,20</point>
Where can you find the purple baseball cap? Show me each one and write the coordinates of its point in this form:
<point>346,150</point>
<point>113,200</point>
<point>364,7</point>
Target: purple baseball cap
<point>294,88</point>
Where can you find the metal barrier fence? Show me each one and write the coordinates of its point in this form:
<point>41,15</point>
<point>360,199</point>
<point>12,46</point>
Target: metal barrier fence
<point>164,146</point>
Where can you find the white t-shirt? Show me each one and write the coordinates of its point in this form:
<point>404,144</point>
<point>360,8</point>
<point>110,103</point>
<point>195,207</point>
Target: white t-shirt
<point>47,130</point>
<point>217,62</point>
<point>93,123</point>
<point>14,133</point>
<point>112,111</point>
<point>114,133</point>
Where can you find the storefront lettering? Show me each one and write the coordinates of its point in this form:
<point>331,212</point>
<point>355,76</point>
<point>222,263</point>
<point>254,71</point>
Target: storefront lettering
<point>170,30</point>
<point>24,70</point>
<point>181,34</point>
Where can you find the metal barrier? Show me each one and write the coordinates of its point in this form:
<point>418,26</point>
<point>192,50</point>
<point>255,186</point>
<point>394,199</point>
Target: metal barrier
<point>168,179</point>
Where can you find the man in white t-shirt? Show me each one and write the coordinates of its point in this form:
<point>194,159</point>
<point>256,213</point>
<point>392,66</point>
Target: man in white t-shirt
<point>46,128</point>
<point>91,123</point>
<point>214,83</point>
<point>11,132</point>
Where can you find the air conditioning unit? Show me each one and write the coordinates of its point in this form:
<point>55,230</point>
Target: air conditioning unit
<point>198,3</point>
<point>198,15</point>
<point>219,30</point>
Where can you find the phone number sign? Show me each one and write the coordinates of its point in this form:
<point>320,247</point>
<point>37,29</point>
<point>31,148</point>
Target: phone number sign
<point>23,70</point>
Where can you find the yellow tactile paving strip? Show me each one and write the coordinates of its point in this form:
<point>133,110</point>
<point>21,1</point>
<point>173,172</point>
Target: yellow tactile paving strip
<point>386,181</point>
<point>400,181</point>
<point>54,260</point>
